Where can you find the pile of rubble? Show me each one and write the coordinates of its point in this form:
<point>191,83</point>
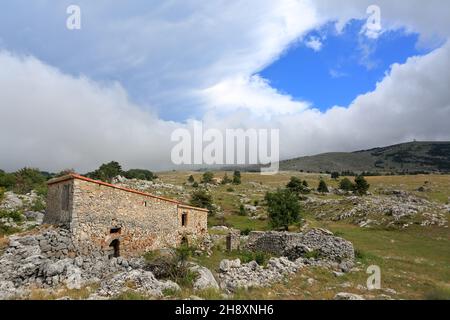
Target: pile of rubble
<point>317,247</point>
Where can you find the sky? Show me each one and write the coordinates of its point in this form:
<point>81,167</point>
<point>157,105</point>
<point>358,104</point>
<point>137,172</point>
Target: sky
<point>136,71</point>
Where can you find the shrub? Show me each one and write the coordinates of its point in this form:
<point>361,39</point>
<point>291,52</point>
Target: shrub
<point>174,267</point>
<point>7,180</point>
<point>106,172</point>
<point>242,211</point>
<point>2,193</point>
<point>335,175</point>
<point>140,174</point>
<point>283,207</point>
<point>346,185</point>
<point>27,179</point>
<point>305,183</point>
<point>208,177</point>
<point>323,188</point>
<point>38,205</point>
<point>230,189</point>
<point>237,177</point>
<point>191,179</point>
<point>296,185</point>
<point>195,184</point>
<point>246,231</point>
<point>16,215</point>
<point>361,185</point>
<point>226,179</point>
<point>203,199</point>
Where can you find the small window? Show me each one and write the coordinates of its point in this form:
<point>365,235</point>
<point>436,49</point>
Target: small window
<point>65,198</point>
<point>184,219</point>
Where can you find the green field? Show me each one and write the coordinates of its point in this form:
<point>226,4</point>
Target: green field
<point>414,262</point>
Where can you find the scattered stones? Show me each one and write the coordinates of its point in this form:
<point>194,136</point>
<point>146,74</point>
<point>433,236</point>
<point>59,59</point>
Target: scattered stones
<point>348,296</point>
<point>140,281</point>
<point>393,208</point>
<point>251,274</point>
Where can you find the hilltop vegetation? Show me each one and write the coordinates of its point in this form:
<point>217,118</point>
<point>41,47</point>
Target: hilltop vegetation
<point>406,158</point>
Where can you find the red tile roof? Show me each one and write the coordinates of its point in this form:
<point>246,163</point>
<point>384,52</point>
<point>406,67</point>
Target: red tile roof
<point>72,176</point>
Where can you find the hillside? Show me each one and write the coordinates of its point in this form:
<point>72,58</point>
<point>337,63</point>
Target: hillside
<point>405,157</point>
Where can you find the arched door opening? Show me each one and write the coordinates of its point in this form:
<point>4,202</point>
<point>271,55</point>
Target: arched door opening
<point>114,249</point>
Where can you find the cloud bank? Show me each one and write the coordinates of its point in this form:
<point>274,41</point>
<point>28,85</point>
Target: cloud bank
<point>200,62</point>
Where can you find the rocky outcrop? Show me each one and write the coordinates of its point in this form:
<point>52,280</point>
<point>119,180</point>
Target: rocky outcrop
<point>393,208</point>
<point>235,275</point>
<point>141,281</point>
<point>47,259</point>
<point>12,201</point>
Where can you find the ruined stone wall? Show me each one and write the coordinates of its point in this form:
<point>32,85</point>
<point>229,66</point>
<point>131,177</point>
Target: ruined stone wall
<point>145,223</point>
<point>57,212</point>
<point>272,241</point>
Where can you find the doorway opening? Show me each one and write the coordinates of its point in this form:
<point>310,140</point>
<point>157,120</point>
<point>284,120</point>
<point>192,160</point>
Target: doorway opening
<point>114,249</point>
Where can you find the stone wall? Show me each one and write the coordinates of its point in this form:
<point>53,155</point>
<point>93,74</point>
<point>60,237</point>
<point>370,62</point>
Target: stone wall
<point>319,244</point>
<point>272,241</point>
<point>55,213</point>
<point>101,214</point>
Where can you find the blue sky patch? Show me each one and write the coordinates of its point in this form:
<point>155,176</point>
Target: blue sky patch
<point>347,65</point>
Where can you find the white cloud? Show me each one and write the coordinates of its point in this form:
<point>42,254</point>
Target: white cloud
<point>314,43</point>
<point>55,121</point>
<point>201,61</point>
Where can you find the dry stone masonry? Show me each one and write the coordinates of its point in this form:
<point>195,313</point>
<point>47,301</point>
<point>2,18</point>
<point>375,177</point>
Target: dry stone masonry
<point>120,222</point>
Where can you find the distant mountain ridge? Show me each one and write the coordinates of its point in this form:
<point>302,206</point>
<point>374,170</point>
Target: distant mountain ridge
<point>400,158</point>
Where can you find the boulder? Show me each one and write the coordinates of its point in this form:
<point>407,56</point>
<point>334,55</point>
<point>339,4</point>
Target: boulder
<point>205,279</point>
<point>348,296</point>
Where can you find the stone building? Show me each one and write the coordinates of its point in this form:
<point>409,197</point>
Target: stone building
<point>115,221</point>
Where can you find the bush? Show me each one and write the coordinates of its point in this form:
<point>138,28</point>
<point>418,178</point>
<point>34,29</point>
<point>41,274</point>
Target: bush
<point>16,216</point>
<point>237,177</point>
<point>361,185</point>
<point>335,175</point>
<point>195,184</point>
<point>242,211</point>
<point>226,179</point>
<point>38,205</point>
<point>140,174</point>
<point>230,189</point>
<point>203,199</point>
<point>2,193</point>
<point>260,257</point>
<point>7,180</point>
<point>27,179</point>
<point>323,188</point>
<point>174,266</point>
<point>283,207</point>
<point>191,179</point>
<point>106,172</point>
<point>296,185</point>
<point>346,185</point>
<point>208,177</point>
